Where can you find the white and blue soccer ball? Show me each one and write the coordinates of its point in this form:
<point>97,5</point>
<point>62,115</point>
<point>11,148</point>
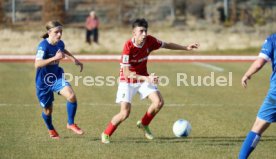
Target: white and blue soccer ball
<point>182,128</point>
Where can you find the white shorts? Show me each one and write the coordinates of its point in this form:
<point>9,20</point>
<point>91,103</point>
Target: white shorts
<point>126,91</point>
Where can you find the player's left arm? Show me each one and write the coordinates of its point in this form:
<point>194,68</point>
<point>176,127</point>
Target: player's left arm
<point>72,58</point>
<point>174,46</point>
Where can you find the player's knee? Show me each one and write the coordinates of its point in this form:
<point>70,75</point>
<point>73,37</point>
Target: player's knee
<point>72,97</point>
<point>159,104</point>
<point>47,111</point>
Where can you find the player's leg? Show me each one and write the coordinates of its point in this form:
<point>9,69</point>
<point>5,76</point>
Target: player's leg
<point>71,104</point>
<point>122,115</point>
<point>151,92</point>
<point>124,96</point>
<point>253,138</point>
<point>47,117</point>
<point>46,98</point>
<point>116,121</point>
<point>157,103</point>
<point>265,116</point>
<point>70,96</point>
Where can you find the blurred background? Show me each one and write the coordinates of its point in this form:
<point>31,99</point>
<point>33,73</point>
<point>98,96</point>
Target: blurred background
<point>220,26</point>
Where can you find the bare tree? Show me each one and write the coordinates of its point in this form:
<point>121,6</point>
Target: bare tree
<point>54,10</point>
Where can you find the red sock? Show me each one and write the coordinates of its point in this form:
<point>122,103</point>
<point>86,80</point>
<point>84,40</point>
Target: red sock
<point>147,118</point>
<point>110,129</point>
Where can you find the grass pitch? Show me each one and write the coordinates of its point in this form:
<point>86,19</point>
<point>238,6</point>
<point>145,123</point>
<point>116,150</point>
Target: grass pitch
<point>220,116</point>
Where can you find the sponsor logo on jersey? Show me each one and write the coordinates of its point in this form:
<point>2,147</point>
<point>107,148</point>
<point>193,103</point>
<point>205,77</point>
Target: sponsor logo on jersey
<point>140,60</point>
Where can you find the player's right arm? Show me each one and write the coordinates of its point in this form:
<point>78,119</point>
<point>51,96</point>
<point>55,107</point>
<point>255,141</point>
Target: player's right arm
<point>40,62</point>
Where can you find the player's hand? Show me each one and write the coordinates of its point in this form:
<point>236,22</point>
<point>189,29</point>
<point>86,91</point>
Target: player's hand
<point>153,78</point>
<point>78,63</point>
<point>59,55</point>
<point>244,81</point>
<point>192,46</point>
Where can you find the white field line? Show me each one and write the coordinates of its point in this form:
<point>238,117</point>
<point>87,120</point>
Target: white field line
<point>117,105</point>
<point>105,104</point>
<point>212,67</point>
<point>152,57</point>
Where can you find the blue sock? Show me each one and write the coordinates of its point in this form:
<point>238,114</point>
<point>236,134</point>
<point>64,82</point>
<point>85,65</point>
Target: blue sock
<point>71,112</point>
<point>48,121</point>
<point>249,144</point>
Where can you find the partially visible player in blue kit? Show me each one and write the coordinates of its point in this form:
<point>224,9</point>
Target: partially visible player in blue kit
<point>50,79</point>
<point>267,112</point>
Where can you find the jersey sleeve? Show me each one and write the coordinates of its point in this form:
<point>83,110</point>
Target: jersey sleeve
<point>267,49</point>
<point>41,50</point>
<point>125,54</point>
<point>155,43</point>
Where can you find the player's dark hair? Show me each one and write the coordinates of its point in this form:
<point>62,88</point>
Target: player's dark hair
<point>50,25</point>
<point>140,23</point>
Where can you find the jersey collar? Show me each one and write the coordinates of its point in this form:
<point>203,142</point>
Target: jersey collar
<point>133,42</point>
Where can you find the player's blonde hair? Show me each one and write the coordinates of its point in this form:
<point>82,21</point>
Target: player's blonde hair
<point>50,25</point>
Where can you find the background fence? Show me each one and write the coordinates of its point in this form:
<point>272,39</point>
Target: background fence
<point>118,12</point>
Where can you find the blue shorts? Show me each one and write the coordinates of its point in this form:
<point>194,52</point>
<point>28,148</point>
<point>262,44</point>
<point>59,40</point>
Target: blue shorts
<point>46,94</point>
<point>267,111</point>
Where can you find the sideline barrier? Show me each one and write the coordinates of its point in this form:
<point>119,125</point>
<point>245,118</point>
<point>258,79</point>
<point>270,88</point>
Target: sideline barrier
<point>152,58</point>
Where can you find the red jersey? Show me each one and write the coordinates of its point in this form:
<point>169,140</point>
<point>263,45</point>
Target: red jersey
<point>136,57</point>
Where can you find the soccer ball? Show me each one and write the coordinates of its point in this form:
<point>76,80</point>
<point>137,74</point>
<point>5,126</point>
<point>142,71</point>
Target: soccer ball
<point>182,128</point>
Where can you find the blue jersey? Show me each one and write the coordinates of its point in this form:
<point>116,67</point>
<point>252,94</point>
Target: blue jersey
<point>267,111</point>
<point>268,52</point>
<point>49,78</point>
<point>48,74</point>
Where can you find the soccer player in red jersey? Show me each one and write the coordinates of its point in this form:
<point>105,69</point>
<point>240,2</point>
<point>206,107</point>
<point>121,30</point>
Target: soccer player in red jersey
<point>134,78</point>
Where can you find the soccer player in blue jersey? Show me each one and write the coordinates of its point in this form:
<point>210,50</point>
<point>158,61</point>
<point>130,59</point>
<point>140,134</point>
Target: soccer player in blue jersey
<point>50,79</point>
<point>267,112</point>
